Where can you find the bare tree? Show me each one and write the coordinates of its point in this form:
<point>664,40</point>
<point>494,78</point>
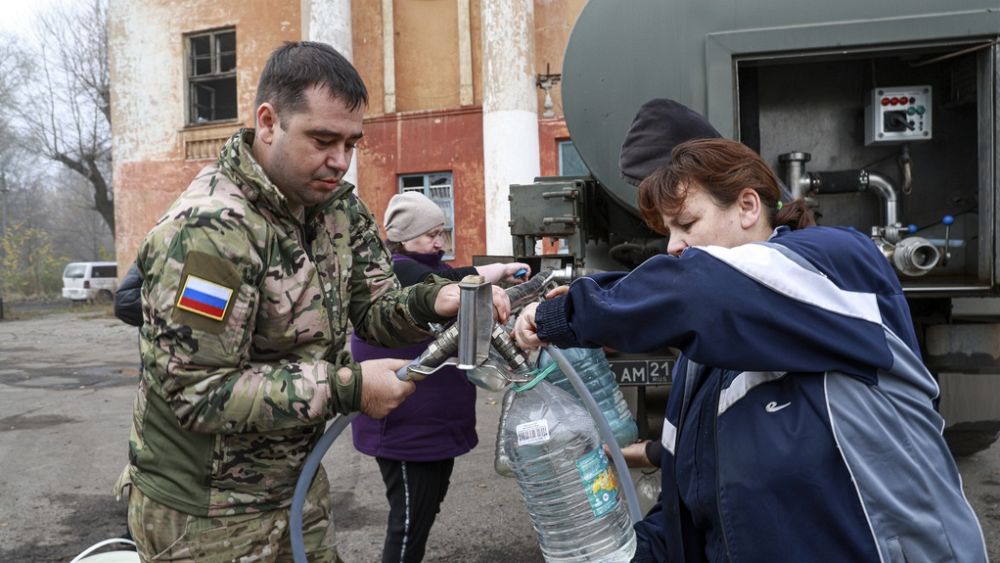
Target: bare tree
<point>13,74</point>
<point>66,112</point>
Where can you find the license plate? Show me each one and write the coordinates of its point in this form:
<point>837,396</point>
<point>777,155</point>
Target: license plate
<point>642,372</point>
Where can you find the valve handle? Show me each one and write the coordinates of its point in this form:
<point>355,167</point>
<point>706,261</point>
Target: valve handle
<point>948,220</point>
<point>404,374</point>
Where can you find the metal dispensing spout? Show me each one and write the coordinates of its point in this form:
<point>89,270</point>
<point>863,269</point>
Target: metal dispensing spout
<point>466,344</point>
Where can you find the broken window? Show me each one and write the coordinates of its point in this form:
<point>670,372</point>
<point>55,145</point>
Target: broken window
<point>211,73</point>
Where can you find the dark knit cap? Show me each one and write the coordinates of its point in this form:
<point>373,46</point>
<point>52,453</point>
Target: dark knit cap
<point>658,127</point>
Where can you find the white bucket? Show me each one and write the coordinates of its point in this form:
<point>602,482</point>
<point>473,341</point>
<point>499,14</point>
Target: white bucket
<point>108,556</point>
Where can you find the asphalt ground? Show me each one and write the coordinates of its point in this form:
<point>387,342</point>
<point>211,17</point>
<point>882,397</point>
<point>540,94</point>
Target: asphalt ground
<point>67,381</point>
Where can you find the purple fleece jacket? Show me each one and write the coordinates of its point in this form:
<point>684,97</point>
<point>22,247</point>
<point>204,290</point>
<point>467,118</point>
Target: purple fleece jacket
<point>436,422</point>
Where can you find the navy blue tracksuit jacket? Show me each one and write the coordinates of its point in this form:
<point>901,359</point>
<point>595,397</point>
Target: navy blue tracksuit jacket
<point>800,426</point>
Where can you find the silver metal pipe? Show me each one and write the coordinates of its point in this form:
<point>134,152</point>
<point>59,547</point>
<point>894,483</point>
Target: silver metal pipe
<point>946,289</point>
<point>795,173</point>
<point>885,189</point>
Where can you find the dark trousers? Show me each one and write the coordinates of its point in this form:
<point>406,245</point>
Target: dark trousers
<point>415,490</point>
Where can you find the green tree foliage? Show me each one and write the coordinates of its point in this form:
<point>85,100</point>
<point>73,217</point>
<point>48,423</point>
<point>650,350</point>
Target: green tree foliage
<point>29,266</point>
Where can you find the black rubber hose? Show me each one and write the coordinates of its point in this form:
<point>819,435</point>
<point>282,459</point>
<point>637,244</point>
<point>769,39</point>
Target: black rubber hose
<point>839,182</point>
<point>309,469</point>
<point>522,294</point>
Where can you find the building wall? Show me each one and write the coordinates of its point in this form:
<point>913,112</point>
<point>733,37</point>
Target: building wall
<point>426,43</point>
<point>155,153</point>
<point>425,142</point>
<point>366,22</point>
<point>426,49</point>
<point>554,21</point>
<point>413,140</point>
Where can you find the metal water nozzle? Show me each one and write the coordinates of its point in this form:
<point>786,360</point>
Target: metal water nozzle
<point>475,321</point>
<point>915,256</point>
<point>476,330</point>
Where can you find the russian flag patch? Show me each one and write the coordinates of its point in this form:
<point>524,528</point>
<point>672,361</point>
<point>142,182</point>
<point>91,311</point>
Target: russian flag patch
<point>205,298</point>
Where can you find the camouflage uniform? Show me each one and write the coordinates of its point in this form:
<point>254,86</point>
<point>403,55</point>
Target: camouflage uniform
<point>230,403</point>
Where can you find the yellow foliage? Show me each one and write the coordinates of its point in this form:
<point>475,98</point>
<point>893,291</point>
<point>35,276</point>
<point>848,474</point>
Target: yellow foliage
<point>28,264</point>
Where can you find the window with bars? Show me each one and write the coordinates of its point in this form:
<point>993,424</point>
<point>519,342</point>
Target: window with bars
<point>211,75</point>
<point>570,163</point>
<point>439,188</point>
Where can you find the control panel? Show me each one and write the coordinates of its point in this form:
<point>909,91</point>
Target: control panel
<point>898,114</point>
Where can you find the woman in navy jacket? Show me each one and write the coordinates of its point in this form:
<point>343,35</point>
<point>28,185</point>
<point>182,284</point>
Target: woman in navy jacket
<point>800,426</point>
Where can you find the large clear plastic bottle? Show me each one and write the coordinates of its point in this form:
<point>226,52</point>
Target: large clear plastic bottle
<point>592,366</point>
<point>570,488</point>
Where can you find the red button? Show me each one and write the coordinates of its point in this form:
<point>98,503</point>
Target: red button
<point>885,101</point>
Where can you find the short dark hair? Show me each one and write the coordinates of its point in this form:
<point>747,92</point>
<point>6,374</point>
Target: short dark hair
<point>723,168</point>
<point>297,66</point>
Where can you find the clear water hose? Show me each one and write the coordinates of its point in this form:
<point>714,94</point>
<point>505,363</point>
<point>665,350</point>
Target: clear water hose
<point>631,500</point>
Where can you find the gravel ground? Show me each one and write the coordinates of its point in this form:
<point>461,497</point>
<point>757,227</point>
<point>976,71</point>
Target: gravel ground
<point>66,386</point>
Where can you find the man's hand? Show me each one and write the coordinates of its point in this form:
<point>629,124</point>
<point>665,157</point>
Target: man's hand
<point>381,390</point>
<point>525,330</point>
<point>447,301</point>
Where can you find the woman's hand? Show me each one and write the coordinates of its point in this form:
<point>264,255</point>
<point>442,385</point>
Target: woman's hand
<point>497,272</point>
<point>525,330</point>
<point>557,291</point>
<point>635,455</point>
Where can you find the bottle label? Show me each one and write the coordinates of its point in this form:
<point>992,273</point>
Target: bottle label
<point>534,432</point>
<point>598,481</point>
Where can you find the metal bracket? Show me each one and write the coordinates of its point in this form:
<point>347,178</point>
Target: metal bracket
<point>475,321</point>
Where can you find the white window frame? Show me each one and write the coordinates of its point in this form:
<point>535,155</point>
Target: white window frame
<point>563,144</point>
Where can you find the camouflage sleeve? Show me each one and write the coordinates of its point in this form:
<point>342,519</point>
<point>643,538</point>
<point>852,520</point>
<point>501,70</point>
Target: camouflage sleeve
<point>381,312</point>
<point>201,365</point>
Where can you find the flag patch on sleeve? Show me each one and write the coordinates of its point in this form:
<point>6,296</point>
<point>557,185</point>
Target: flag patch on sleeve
<point>205,298</point>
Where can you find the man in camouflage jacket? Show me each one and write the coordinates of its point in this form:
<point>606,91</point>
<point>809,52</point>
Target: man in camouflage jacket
<point>250,280</point>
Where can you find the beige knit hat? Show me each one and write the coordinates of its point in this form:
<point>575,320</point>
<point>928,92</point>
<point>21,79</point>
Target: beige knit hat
<point>410,215</point>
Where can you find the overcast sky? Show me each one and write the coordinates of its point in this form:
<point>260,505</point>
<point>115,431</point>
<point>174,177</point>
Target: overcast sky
<point>17,15</point>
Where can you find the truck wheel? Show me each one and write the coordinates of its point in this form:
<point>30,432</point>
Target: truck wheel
<point>103,297</point>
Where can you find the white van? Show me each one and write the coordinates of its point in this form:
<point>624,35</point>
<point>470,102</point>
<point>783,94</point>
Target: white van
<point>90,281</point>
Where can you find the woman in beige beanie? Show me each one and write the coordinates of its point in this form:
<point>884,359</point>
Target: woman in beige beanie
<point>416,445</point>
